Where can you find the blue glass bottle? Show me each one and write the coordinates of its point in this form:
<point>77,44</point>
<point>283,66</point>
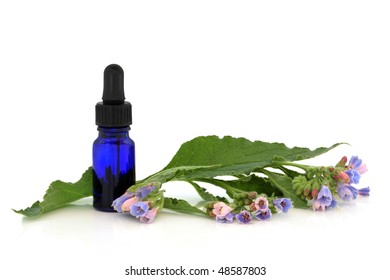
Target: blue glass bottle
<point>113,150</point>
<point>113,166</point>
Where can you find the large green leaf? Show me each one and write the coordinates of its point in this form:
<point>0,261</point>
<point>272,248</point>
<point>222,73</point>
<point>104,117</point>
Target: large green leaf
<point>232,156</point>
<point>59,194</point>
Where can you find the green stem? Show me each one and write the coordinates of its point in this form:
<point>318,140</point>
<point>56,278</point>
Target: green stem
<point>160,203</point>
<point>221,184</point>
<point>301,166</point>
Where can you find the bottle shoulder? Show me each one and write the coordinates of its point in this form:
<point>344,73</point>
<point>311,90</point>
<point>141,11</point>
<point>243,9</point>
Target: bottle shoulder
<point>114,141</point>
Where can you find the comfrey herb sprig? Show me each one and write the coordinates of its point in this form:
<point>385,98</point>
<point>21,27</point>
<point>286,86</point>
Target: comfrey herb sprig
<point>321,185</point>
<point>266,182</point>
<point>318,186</point>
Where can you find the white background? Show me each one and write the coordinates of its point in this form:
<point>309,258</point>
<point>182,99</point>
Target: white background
<point>307,73</point>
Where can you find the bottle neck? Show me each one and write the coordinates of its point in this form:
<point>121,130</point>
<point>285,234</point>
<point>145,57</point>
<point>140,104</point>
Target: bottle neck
<point>110,132</point>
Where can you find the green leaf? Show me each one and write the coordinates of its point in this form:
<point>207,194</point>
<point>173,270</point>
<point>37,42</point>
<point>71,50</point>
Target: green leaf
<point>182,206</point>
<point>205,195</point>
<point>285,185</point>
<point>232,156</point>
<point>59,194</point>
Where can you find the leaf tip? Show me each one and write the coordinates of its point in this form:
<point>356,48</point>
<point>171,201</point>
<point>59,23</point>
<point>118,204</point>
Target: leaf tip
<point>16,211</point>
<point>31,212</point>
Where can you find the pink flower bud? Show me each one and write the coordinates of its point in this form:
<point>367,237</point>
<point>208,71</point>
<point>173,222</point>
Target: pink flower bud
<point>342,177</point>
<point>127,204</point>
<point>307,191</point>
<point>252,207</point>
<point>221,209</point>
<point>362,169</point>
<point>210,213</point>
<point>261,203</point>
<point>149,217</point>
<point>342,162</point>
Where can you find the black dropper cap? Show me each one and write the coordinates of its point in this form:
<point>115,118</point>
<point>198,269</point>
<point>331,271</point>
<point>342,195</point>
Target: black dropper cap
<point>114,111</point>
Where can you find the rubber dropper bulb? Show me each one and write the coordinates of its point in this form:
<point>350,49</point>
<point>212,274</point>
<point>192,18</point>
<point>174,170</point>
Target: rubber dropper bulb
<point>113,90</point>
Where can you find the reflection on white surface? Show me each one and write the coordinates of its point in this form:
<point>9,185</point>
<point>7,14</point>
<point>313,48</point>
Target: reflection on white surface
<point>79,238</point>
<point>79,233</point>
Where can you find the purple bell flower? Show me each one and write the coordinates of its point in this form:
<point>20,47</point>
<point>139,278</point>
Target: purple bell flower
<point>225,219</point>
<point>355,162</point>
<point>244,217</point>
<point>324,199</point>
<point>332,205</point>
<point>283,204</point>
<point>144,191</point>
<point>364,191</point>
<point>354,191</point>
<point>356,169</point>
<point>263,214</point>
<point>354,176</point>
<point>344,193</point>
<point>139,209</point>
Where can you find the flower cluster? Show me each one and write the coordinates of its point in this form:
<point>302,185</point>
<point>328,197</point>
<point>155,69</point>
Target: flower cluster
<point>246,207</point>
<point>326,184</point>
<point>144,203</point>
